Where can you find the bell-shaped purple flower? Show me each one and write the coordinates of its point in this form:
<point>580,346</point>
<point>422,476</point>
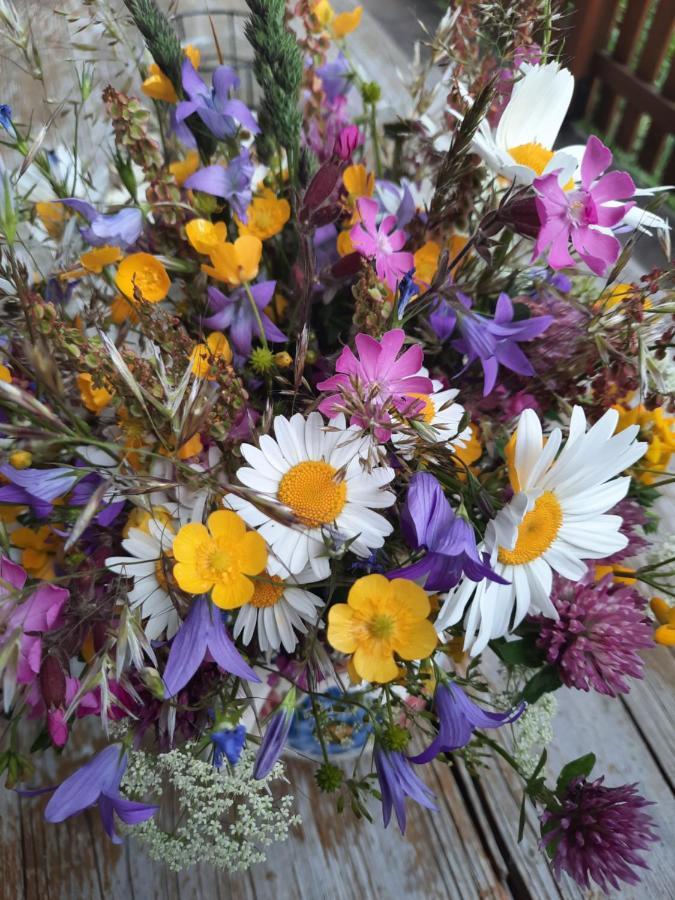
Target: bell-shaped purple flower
<point>98,783</point>
<point>397,781</point>
<point>221,114</point>
<point>457,716</point>
<point>227,745</point>
<point>428,522</point>
<point>122,228</point>
<point>334,77</point>
<point>38,488</point>
<point>202,631</point>
<point>276,734</point>
<point>233,313</point>
<point>232,182</point>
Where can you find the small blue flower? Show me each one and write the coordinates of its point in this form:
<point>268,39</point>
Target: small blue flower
<point>228,744</point>
<point>407,289</point>
<point>5,116</point>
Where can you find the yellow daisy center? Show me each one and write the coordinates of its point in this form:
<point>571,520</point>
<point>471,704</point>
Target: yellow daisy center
<point>536,533</point>
<point>311,490</point>
<point>534,156</point>
<point>267,593</point>
<point>428,411</point>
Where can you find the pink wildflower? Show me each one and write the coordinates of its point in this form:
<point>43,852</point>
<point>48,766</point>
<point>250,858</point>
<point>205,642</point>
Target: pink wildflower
<point>585,213</point>
<point>381,243</point>
<point>371,385</point>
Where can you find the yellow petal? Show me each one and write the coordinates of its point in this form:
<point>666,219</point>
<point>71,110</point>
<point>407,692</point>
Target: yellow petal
<point>182,169</point>
<point>416,641</point>
<point>346,22</point>
<point>665,635</point>
<point>660,609</point>
<point>219,346</point>
<point>188,579</point>
<point>342,633</point>
<point>252,553</point>
<point>193,54</point>
<point>188,540</point>
<point>226,525</point>
<point>249,251</point>
<point>368,593</point>
<point>202,234</point>
<point>233,594</point>
<point>409,598</point>
<point>375,668</point>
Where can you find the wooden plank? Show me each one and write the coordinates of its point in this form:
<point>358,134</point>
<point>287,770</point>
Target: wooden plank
<point>629,33</point>
<point>651,58</point>
<point>652,148</point>
<point>644,96</point>
<point>589,28</point>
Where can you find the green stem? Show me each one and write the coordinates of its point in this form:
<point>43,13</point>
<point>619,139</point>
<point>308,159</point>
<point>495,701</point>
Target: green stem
<point>376,143</point>
<point>256,313</point>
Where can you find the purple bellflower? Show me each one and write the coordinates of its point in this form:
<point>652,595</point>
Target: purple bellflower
<point>5,117</point>
<point>98,783</point>
<point>202,631</point>
<point>228,744</point>
<point>221,114</point>
<point>122,229</point>
<point>38,488</point>
<point>274,739</point>
<point>397,781</point>
<point>457,716</point>
<point>232,182</point>
<point>428,521</point>
<point>233,314</point>
<point>493,341</point>
<point>334,77</point>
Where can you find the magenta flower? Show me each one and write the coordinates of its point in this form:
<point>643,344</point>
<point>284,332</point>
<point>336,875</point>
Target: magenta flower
<point>597,832</point>
<point>595,641</point>
<point>22,621</point>
<point>381,243</point>
<point>585,213</point>
<point>369,387</point>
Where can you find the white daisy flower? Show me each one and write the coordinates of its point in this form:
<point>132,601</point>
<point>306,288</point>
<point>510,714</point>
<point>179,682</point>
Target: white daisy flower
<point>316,471</point>
<point>555,520</point>
<point>149,564</point>
<point>440,423</point>
<point>521,146</point>
<point>279,608</point>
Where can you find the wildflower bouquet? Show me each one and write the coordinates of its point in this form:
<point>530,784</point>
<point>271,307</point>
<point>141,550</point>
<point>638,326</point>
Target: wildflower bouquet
<point>327,436</point>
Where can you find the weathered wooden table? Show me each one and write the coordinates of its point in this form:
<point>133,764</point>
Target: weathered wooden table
<point>466,850</point>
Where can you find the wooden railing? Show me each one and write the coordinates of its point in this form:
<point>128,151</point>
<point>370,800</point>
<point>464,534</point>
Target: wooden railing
<point>621,53</point>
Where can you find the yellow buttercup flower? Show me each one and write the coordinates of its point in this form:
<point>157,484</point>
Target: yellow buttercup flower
<point>382,618</point>
<point>658,430</point>
<point>96,260</point>
<point>158,87</point>
<point>235,263</point>
<point>192,447</point>
<point>94,399</point>
<point>266,215</point>
<point>204,236</point>
<point>205,355</point>
<point>358,182</point>
<point>346,22</point>
<point>665,615</point>
<point>122,310</point>
<point>38,550</point>
<point>52,216</point>
<point>324,13</point>
<point>344,245</point>
<point>426,262</point>
<point>5,374</point>
<point>182,169</point>
<point>219,557</point>
<point>145,273</point>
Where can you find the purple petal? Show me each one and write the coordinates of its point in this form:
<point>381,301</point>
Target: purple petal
<point>242,114</point>
<point>192,83</point>
<point>188,647</point>
<point>595,160</point>
<point>82,789</point>
<point>224,80</point>
<point>45,484</point>
<point>210,180</point>
<point>105,810</point>
<point>223,650</point>
<point>613,186</point>
<point>84,209</point>
<point>132,812</point>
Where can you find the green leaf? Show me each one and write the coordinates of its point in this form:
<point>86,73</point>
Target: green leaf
<point>545,681</point>
<point>578,767</point>
<point>519,653</point>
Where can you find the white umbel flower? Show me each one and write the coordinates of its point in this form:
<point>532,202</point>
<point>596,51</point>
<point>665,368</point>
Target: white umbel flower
<point>149,563</point>
<point>278,609</point>
<point>555,521</point>
<point>317,472</point>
